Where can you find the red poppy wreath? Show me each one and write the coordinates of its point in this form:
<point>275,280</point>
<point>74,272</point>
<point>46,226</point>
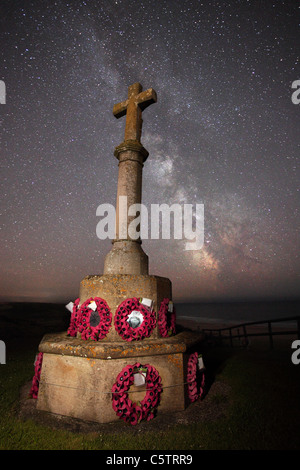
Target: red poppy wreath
<point>134,321</point>
<point>72,330</point>
<point>166,319</point>
<point>37,373</point>
<point>128,410</point>
<point>94,319</point>
<point>195,378</point>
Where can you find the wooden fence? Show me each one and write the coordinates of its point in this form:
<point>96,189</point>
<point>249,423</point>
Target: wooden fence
<point>240,331</point>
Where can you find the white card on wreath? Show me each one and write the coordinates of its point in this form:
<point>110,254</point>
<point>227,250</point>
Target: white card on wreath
<point>147,302</point>
<point>93,305</point>
<point>139,379</point>
<point>200,363</point>
<point>69,306</point>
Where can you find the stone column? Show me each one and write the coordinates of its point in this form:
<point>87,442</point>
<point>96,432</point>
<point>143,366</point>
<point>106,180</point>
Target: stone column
<point>127,255</point>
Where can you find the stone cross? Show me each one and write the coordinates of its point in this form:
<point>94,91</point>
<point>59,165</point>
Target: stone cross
<point>137,101</point>
<point>126,255</point>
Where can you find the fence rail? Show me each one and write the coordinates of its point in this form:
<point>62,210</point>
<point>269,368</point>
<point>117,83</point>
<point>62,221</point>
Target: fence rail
<point>217,333</point>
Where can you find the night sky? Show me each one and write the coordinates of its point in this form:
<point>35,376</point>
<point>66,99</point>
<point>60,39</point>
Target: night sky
<point>223,133</point>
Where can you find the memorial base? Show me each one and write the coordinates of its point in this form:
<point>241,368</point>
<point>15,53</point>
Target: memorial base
<point>77,376</point>
<point>115,288</point>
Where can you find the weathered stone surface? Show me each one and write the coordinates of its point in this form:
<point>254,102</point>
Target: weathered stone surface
<point>139,152</point>
<point>137,101</point>
<point>127,255</point>
<point>62,344</point>
<point>81,387</point>
<point>77,375</point>
<point>116,288</point>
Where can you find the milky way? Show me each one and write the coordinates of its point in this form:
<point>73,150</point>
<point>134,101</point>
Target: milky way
<point>223,133</point>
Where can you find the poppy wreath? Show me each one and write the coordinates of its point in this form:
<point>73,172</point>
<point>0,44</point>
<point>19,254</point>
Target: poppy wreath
<point>72,330</point>
<point>36,378</point>
<point>128,410</point>
<point>123,327</point>
<point>94,324</point>
<point>195,378</point>
<point>166,320</point>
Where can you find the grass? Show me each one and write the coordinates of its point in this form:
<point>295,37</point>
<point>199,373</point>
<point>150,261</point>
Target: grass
<point>265,413</point>
<point>264,409</point>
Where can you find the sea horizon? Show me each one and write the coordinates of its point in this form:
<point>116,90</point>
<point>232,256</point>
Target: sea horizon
<point>235,312</point>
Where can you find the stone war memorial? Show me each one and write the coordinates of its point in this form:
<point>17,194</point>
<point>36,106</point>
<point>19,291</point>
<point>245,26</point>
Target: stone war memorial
<point>121,357</point>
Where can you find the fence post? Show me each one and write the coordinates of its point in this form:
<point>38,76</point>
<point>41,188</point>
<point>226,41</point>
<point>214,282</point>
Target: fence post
<point>245,335</point>
<point>270,334</point>
<point>230,334</point>
<point>220,337</point>
<point>2,352</point>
